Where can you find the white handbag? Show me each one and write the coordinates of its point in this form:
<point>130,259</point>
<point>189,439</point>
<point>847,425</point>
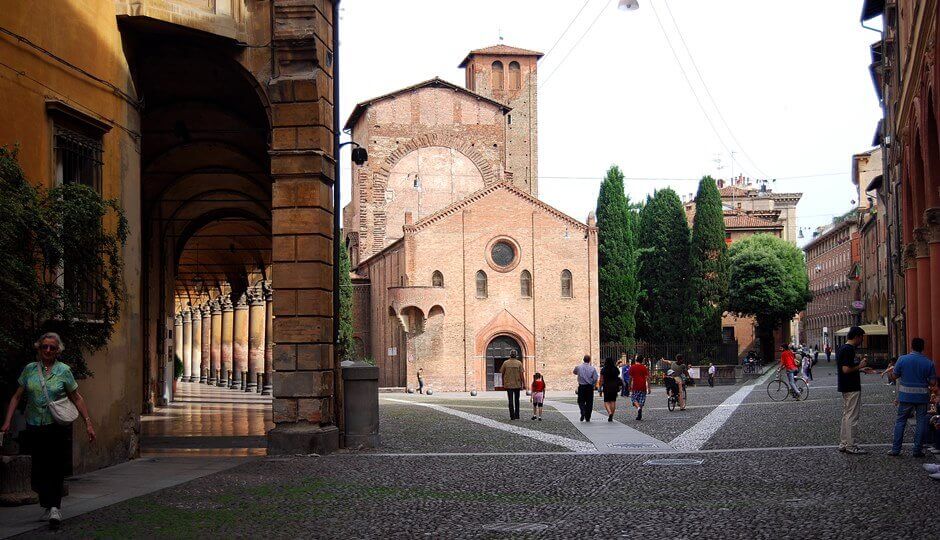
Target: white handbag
<point>63,411</point>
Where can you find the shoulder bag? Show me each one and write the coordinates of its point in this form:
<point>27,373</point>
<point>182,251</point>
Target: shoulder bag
<point>63,410</point>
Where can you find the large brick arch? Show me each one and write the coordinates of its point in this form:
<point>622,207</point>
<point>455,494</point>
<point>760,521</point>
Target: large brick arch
<point>380,178</point>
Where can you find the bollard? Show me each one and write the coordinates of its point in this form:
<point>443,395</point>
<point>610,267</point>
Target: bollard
<point>361,404</point>
<point>244,382</point>
<point>258,386</point>
<point>267,389</point>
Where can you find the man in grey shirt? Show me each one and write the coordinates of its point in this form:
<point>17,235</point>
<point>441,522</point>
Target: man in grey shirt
<point>587,378</point>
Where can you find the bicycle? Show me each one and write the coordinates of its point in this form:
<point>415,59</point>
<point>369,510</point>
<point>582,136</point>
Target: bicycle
<point>673,396</point>
<point>779,389</point>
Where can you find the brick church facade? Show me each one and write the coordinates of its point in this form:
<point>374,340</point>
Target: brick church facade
<point>456,261</point>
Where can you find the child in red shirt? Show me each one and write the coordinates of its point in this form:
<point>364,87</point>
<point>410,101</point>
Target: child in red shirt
<point>538,396</point>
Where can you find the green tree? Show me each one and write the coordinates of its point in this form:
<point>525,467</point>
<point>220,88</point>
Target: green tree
<point>61,269</point>
<point>617,252</point>
<point>708,261</point>
<point>664,307</point>
<point>768,281</point>
<point>347,346</point>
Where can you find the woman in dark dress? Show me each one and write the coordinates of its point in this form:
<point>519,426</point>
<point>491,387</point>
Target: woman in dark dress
<point>610,385</point>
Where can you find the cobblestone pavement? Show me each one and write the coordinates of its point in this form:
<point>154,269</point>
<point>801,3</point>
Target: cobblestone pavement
<point>771,471</point>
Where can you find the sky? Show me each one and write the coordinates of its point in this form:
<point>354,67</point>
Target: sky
<point>783,85</point>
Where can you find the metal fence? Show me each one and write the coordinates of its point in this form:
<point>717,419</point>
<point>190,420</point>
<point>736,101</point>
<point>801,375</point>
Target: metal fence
<point>694,353</point>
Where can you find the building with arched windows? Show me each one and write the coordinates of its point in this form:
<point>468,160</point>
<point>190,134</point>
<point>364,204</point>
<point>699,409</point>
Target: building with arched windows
<point>457,263</point>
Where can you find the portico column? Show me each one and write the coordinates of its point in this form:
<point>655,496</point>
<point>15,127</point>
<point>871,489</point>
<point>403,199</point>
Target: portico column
<point>227,335</point>
<point>215,375</point>
<point>268,337</point>
<point>932,219</point>
<point>255,337</point>
<point>187,345</point>
<point>910,292</point>
<point>197,344</point>
<point>240,343</point>
<point>177,337</point>
<point>204,371</point>
<point>924,314</point>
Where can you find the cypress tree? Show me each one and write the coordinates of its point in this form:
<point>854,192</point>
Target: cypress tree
<point>616,250</point>
<point>664,270</point>
<point>708,260</point>
<point>347,345</point>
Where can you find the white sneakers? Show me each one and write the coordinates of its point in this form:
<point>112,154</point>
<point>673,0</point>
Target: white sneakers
<point>54,517</point>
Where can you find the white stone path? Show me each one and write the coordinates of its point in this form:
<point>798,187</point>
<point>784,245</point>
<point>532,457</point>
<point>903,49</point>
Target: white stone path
<point>610,437</point>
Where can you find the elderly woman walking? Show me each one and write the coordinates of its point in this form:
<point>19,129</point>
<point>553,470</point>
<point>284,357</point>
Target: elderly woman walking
<point>44,383</point>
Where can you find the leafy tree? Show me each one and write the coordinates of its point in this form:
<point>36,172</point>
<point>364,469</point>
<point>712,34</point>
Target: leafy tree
<point>708,260</point>
<point>664,308</point>
<point>617,252</point>
<point>347,346</point>
<point>768,281</point>
<point>61,269</point>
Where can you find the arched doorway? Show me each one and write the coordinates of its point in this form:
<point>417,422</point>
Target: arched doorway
<point>497,351</point>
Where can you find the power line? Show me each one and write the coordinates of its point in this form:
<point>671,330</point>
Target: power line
<point>576,43</point>
<point>557,41</point>
<point>692,88</point>
<point>708,92</point>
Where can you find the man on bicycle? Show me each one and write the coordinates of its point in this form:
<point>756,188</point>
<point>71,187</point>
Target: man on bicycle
<point>680,372</point>
<point>788,364</point>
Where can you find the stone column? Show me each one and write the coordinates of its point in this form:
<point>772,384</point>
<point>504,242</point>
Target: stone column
<point>196,370</point>
<point>205,370</point>
<point>255,337</point>
<point>240,343</point>
<point>187,345</point>
<point>932,220</point>
<point>910,292</point>
<point>227,335</point>
<point>215,375</point>
<point>924,317</point>
<point>268,337</point>
<point>302,165</point>
<point>177,338</point>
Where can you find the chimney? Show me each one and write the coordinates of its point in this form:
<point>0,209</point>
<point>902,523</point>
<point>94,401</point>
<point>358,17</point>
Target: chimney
<point>721,183</point>
<point>409,218</point>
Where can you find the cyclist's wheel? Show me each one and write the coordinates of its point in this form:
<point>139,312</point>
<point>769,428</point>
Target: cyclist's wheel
<point>671,403</point>
<point>778,390</point>
<point>802,388</point>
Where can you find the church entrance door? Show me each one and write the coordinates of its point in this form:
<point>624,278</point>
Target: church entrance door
<point>497,352</point>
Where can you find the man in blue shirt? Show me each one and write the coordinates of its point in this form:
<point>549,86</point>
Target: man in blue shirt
<point>587,378</point>
<point>915,374</point>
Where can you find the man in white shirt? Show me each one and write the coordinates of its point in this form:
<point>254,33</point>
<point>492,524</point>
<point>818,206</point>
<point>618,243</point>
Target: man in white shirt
<point>712,370</point>
<point>587,378</point>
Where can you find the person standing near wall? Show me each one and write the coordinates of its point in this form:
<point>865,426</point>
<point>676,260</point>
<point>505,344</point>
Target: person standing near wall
<point>915,374</point>
<point>587,378</point>
<point>45,382</point>
<point>711,374</point>
<point>513,381</point>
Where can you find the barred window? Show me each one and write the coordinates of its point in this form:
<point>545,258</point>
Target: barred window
<point>437,279</point>
<point>525,284</point>
<point>481,284</point>
<point>566,284</point>
<point>77,158</point>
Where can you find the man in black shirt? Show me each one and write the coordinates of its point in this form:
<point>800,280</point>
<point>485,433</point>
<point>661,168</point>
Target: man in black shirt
<point>850,384</point>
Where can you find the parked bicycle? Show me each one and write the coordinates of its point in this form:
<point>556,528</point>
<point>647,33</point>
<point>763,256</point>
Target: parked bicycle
<point>779,389</point>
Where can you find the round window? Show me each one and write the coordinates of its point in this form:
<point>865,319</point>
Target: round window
<point>503,253</point>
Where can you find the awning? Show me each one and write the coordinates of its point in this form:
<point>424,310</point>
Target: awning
<point>870,330</point>
<point>875,183</point>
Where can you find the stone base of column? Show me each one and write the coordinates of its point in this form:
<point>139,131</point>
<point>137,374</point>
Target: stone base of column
<point>302,438</point>
<point>204,378</point>
<point>233,384</point>
<point>212,381</point>
<point>222,382</point>
<point>251,387</point>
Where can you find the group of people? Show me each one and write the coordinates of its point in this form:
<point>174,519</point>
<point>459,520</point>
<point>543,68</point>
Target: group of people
<point>917,394</point>
<point>624,379</point>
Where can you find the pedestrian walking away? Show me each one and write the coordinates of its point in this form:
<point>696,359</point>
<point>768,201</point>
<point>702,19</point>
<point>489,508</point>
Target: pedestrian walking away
<point>625,376</point>
<point>420,380</point>
<point>587,378</point>
<point>807,368</point>
<point>513,382</point>
<point>46,385</point>
<point>828,353</point>
<point>538,396</point>
<point>711,375</point>
<point>640,386</point>
<point>849,369</point>
<point>915,374</point>
<point>611,385</point>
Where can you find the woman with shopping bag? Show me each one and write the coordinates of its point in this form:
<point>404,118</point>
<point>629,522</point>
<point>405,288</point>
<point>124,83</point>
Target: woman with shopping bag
<point>52,404</point>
